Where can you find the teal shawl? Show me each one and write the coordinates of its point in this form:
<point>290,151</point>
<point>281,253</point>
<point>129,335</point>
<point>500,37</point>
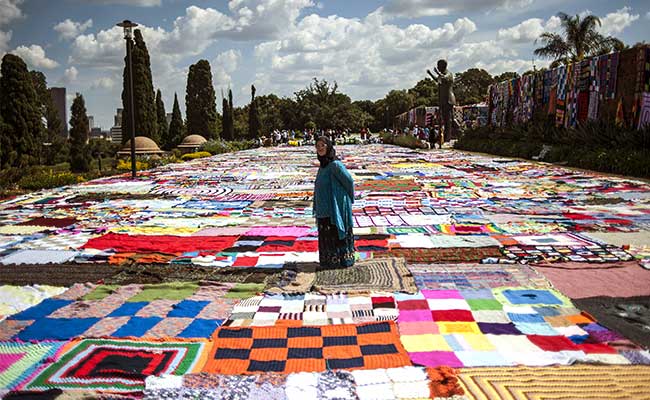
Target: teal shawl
<point>334,196</point>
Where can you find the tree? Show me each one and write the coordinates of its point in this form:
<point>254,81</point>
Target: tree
<point>425,93</point>
<point>580,39</point>
<point>144,103</point>
<point>322,104</point>
<point>23,134</point>
<point>226,121</point>
<point>79,152</point>
<point>506,76</point>
<point>161,119</point>
<point>470,87</point>
<point>175,127</point>
<point>48,111</point>
<point>397,102</point>
<point>200,101</point>
<point>253,117</point>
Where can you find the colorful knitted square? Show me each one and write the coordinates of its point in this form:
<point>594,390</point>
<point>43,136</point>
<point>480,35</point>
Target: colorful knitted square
<point>118,366</point>
<point>19,361</point>
<point>305,349</point>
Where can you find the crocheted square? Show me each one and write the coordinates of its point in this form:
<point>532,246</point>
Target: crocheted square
<point>117,366</point>
<point>19,361</point>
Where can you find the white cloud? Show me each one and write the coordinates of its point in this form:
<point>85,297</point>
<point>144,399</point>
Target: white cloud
<point>366,56</point>
<point>224,65</point>
<point>647,15</point>
<point>70,75</point>
<point>69,29</point>
<point>529,30</point>
<point>136,3</point>
<point>34,56</point>
<point>229,60</point>
<point>427,8</point>
<point>5,37</point>
<point>104,83</point>
<point>9,11</point>
<point>501,66</point>
<point>616,22</point>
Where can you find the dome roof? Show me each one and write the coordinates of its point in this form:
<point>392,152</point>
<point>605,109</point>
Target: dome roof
<point>193,141</point>
<point>143,145</point>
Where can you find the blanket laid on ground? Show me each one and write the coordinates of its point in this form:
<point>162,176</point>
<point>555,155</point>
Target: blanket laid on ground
<point>305,349</point>
<point>628,315</point>
<point>559,383</point>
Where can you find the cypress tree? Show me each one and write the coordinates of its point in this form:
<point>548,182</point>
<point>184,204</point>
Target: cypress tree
<point>226,117</point>
<point>231,116</point>
<point>253,117</point>
<point>79,157</point>
<point>22,137</point>
<point>144,102</point>
<point>200,102</point>
<point>175,134</point>
<point>161,117</point>
<point>46,105</point>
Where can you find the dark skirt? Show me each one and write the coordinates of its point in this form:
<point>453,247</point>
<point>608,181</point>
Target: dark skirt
<point>334,252</point>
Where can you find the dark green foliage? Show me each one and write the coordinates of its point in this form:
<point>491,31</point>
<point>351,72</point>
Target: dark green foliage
<point>229,128</point>
<point>79,151</point>
<point>143,94</point>
<point>253,117</point>
<point>46,105</point>
<point>471,86</point>
<point>161,119</point>
<point>200,102</point>
<point>226,120</point>
<point>22,132</point>
<point>175,127</point>
<point>596,145</point>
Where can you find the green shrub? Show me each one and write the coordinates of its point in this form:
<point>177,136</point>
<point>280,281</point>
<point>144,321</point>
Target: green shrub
<point>387,137</point>
<point>193,156</point>
<point>409,141</point>
<point>48,179</point>
<point>215,147</point>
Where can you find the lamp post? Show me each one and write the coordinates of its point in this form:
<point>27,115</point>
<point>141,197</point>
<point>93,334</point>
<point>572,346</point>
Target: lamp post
<point>128,36</point>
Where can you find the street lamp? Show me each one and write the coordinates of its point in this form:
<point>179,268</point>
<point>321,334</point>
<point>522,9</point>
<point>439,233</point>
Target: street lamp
<point>128,36</point>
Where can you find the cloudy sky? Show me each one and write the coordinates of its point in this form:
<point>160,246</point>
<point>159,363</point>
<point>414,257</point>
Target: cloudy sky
<point>368,46</point>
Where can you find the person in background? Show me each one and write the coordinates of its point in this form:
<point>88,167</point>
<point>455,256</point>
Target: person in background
<point>333,199</point>
<point>446,99</point>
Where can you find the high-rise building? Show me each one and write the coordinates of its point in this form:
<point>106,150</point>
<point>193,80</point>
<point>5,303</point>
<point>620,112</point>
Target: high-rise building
<point>116,130</point>
<point>118,117</point>
<point>91,122</point>
<point>58,97</point>
<point>168,117</point>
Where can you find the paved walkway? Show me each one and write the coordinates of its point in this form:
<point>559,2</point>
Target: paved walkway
<point>204,274</point>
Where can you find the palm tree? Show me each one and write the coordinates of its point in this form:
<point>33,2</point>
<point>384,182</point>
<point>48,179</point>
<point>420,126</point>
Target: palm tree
<point>579,40</point>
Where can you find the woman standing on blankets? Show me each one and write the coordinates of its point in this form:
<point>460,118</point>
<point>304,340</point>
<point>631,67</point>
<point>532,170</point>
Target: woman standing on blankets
<point>333,198</point>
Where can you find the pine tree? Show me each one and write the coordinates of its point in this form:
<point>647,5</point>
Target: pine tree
<point>79,157</point>
<point>22,137</point>
<point>253,117</point>
<point>144,102</point>
<point>200,102</point>
<point>163,129</point>
<point>175,134</point>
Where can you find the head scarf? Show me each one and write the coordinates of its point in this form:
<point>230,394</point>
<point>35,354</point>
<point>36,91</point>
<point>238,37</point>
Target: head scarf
<point>330,155</point>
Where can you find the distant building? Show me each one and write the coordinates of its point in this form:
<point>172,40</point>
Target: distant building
<point>91,122</point>
<point>168,117</point>
<point>98,133</point>
<point>116,134</point>
<point>58,97</point>
<point>116,130</point>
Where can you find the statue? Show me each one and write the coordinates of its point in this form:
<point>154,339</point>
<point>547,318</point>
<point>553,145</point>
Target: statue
<point>447,100</point>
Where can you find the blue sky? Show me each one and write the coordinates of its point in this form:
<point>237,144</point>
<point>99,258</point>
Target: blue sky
<point>368,46</point>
